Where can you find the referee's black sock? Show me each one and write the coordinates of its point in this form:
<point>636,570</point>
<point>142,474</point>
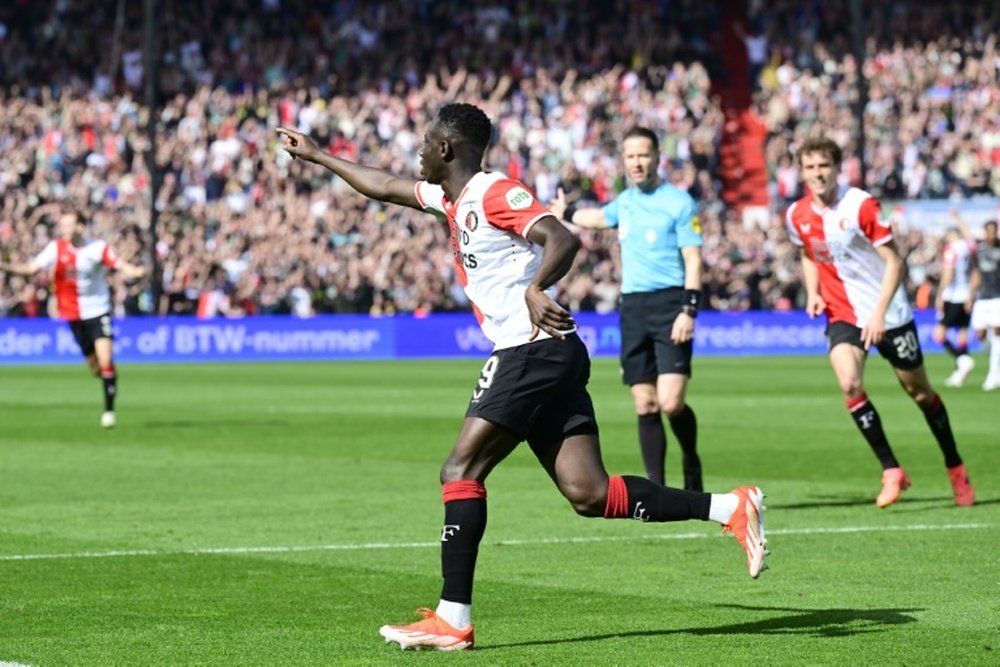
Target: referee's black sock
<point>464,525</point>
<point>937,419</point>
<point>950,347</point>
<point>866,417</point>
<point>631,497</point>
<point>109,377</point>
<point>685,428</point>
<point>653,445</point>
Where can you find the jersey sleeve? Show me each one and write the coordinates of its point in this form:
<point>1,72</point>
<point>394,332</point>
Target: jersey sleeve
<point>688,224</point>
<point>878,233</point>
<point>430,197</point>
<point>510,206</point>
<point>793,231</point>
<point>610,212</point>
<point>110,258</point>
<point>46,259</point>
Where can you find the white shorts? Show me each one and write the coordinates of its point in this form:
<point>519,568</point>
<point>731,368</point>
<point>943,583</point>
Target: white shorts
<point>986,314</point>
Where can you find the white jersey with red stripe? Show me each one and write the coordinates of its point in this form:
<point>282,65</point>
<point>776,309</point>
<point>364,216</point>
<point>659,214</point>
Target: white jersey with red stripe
<point>960,255</point>
<point>842,241</point>
<point>81,288</point>
<point>496,262</point>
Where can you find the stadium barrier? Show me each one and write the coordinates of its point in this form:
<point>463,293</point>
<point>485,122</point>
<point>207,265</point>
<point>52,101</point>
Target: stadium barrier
<point>360,337</point>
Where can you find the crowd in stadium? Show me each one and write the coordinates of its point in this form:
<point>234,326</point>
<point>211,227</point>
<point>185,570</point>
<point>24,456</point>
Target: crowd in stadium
<point>242,228</point>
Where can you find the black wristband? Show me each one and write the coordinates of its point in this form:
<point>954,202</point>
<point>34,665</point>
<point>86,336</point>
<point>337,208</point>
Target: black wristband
<point>569,212</point>
<point>692,297</point>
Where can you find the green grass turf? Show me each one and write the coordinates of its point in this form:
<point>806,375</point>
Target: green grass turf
<point>345,456</point>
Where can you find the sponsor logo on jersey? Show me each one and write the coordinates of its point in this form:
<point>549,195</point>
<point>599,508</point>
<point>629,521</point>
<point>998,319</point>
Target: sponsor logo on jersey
<point>696,224</point>
<point>843,224</point>
<point>472,221</point>
<point>518,198</point>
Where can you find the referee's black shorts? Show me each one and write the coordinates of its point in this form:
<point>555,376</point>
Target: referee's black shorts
<point>647,319</point>
<point>538,391</point>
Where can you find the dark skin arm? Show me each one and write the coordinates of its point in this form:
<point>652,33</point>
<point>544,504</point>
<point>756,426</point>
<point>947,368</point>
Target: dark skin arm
<point>372,183</point>
<point>559,248</point>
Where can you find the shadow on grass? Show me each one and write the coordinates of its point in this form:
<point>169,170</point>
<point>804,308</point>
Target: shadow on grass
<point>903,504</point>
<point>812,622</point>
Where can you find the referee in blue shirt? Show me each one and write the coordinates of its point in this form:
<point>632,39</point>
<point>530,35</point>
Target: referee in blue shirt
<point>660,238</point>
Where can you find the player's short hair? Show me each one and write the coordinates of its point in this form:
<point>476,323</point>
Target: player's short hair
<point>820,145</point>
<point>645,133</point>
<point>463,122</point>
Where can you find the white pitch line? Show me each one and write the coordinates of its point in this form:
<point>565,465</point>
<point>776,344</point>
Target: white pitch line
<point>210,551</point>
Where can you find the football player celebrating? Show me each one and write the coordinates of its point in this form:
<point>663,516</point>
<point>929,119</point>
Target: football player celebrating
<point>852,274</point>
<point>509,251</point>
<point>78,264</point>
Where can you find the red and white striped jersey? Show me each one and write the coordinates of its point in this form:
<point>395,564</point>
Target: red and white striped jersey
<point>841,240</point>
<point>496,262</point>
<point>960,255</point>
<point>81,288</point>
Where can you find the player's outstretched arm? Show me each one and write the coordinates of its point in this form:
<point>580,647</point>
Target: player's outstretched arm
<point>591,218</point>
<point>559,247</point>
<point>370,182</point>
<point>25,269</point>
<point>133,271</point>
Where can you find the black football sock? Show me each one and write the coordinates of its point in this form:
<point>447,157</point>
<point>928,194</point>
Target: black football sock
<point>685,428</point>
<point>109,377</point>
<point>464,525</point>
<point>866,417</point>
<point>937,419</point>
<point>631,497</point>
<point>653,445</point>
<point>948,345</point>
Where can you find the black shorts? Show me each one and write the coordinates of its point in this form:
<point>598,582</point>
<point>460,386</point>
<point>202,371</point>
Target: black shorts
<point>954,316</point>
<point>538,391</point>
<point>87,331</point>
<point>647,319</point>
<point>900,346</point>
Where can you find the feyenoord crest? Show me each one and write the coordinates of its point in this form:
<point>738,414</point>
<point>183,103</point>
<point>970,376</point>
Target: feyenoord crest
<point>471,221</point>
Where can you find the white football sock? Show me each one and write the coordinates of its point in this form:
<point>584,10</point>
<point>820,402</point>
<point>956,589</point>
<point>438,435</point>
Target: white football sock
<point>994,372</point>
<point>458,615</point>
<point>722,507</point>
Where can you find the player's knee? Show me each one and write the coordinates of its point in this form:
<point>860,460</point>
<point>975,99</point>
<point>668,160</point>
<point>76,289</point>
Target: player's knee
<point>851,388</point>
<point>672,406</point>
<point>646,405</point>
<point>922,396</point>
<point>454,471</point>
<point>586,499</point>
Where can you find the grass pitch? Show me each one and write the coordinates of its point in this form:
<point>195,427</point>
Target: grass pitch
<point>278,514</point>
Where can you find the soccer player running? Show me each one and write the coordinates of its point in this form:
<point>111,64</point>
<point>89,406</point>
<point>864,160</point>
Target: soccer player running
<point>954,300</point>
<point>509,251</point>
<point>660,238</point>
<point>78,264</point>
<point>852,273</point>
<point>986,309</point>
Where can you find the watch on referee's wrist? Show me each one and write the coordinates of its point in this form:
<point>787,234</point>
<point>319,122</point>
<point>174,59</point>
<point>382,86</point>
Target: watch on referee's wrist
<point>569,212</point>
<point>692,298</point>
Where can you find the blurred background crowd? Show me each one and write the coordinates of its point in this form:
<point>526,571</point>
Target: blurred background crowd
<point>243,229</point>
